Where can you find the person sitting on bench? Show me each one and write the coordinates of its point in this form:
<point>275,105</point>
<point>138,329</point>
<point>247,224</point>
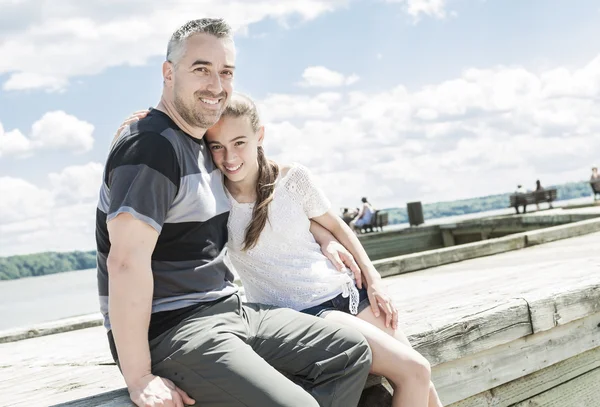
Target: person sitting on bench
<point>364,217</point>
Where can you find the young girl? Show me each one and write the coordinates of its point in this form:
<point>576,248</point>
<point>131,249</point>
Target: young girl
<point>279,262</point>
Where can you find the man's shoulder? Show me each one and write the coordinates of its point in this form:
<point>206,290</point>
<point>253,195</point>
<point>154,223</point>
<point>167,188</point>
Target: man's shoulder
<point>155,132</point>
<point>142,142</point>
<point>148,143</point>
<point>154,122</point>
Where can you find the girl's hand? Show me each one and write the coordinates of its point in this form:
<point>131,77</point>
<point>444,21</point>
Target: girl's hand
<point>342,259</point>
<point>379,298</point>
<point>135,116</point>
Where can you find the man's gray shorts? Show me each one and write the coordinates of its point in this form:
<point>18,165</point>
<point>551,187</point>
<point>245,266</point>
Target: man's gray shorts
<point>234,354</point>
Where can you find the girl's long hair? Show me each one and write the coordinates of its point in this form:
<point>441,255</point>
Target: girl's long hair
<point>242,106</point>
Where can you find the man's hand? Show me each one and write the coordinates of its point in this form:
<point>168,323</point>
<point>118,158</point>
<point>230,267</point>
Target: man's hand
<point>342,258</point>
<point>379,298</point>
<point>155,391</point>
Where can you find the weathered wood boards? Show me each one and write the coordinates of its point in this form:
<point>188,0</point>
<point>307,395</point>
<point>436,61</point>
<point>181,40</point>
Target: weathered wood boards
<point>482,323</point>
<point>537,383</point>
<point>581,391</point>
<point>476,373</point>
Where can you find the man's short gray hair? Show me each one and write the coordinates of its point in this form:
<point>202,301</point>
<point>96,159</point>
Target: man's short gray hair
<point>213,26</point>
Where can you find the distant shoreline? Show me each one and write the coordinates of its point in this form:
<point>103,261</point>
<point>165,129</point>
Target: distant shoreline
<point>46,263</point>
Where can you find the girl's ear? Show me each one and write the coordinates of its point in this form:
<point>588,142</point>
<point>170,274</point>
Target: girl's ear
<point>261,135</point>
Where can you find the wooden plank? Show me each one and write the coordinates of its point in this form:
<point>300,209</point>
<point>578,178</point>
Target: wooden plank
<point>554,307</point>
<point>473,333</point>
<point>396,243</point>
<point>116,398</point>
<point>563,231</point>
<point>448,238</point>
<point>476,373</point>
<point>535,383</point>
<point>49,328</point>
<point>433,258</point>
<point>36,388</point>
<point>581,391</point>
<point>57,368</point>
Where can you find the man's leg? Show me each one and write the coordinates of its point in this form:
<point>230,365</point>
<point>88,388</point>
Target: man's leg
<point>331,361</point>
<point>208,357</point>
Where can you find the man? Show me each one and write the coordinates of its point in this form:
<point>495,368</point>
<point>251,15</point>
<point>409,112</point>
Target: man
<point>176,325</point>
<point>520,199</point>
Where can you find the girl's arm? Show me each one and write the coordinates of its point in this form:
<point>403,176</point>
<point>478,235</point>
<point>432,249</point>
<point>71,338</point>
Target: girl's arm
<point>377,294</point>
<point>339,256</point>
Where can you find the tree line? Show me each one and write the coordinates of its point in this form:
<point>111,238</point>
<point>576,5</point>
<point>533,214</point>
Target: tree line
<point>40,264</point>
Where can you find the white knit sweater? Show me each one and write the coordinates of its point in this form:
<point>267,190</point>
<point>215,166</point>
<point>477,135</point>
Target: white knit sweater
<point>287,268</point>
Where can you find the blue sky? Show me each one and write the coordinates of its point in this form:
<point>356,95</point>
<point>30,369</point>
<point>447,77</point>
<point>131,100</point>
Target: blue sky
<point>397,100</point>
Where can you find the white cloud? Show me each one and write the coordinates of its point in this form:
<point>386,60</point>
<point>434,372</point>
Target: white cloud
<point>45,43</point>
<point>54,130</point>
<point>22,200</point>
<point>13,142</point>
<point>281,107</point>
<point>77,183</point>
<point>58,216</point>
<point>321,77</point>
<point>31,80</point>
<point>431,8</point>
<point>481,133</point>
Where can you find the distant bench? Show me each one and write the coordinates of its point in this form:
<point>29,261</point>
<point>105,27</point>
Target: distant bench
<point>378,221</point>
<point>595,187</point>
<point>536,197</point>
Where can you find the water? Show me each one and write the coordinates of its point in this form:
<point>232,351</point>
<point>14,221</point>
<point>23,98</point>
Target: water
<point>33,300</point>
<point>39,299</point>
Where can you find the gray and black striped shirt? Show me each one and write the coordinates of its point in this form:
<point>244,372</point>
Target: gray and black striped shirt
<point>166,178</point>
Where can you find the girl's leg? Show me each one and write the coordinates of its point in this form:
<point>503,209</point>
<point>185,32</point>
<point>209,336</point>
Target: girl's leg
<point>399,363</point>
<point>368,316</point>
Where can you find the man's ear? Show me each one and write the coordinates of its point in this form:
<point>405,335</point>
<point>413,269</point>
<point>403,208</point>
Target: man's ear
<point>168,71</point>
<point>261,135</point>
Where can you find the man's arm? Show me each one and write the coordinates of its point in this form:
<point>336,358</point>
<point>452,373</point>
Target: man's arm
<point>130,293</point>
<point>143,177</point>
<point>130,306</point>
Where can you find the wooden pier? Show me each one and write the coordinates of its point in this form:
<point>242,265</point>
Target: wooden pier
<point>519,327</point>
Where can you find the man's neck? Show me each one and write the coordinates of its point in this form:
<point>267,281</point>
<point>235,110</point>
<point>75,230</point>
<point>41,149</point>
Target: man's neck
<point>169,109</point>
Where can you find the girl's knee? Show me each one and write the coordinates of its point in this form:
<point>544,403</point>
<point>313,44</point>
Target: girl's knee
<point>415,369</point>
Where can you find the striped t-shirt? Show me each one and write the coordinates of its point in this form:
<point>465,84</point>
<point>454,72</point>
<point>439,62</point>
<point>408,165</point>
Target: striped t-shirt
<point>166,178</point>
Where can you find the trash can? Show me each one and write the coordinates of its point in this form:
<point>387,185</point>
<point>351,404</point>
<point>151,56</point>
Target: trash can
<point>415,213</point>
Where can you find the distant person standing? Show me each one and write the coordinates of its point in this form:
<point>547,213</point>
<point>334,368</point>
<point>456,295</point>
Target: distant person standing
<point>538,188</point>
<point>595,181</point>
<point>364,217</point>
